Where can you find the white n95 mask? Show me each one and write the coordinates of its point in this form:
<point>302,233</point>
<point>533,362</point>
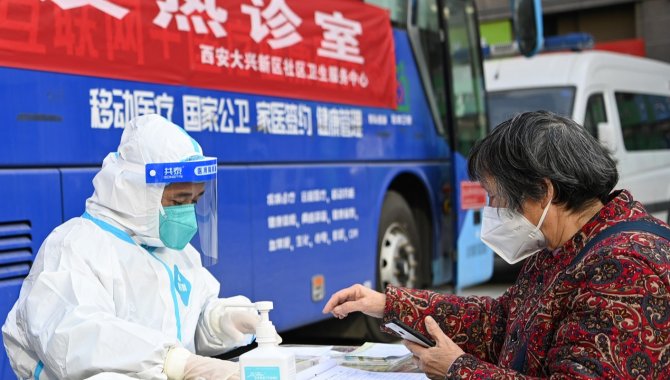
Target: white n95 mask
<point>510,235</point>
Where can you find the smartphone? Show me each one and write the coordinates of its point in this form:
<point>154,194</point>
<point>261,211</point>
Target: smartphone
<point>408,333</point>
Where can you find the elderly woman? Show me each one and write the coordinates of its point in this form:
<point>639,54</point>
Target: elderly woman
<point>593,298</point>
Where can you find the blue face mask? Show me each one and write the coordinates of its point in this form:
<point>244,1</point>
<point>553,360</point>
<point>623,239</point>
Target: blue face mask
<point>177,226</point>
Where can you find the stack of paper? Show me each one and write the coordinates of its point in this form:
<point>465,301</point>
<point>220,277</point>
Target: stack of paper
<point>377,357</point>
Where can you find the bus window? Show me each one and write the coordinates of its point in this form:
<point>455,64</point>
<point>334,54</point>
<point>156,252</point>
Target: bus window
<point>431,39</point>
<point>595,113</point>
<point>467,78</point>
<point>397,10</point>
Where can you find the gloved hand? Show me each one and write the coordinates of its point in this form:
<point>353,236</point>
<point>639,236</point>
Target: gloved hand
<point>181,364</point>
<point>205,368</point>
<point>230,323</point>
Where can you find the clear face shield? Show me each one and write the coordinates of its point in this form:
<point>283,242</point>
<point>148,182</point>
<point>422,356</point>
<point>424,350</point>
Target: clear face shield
<point>189,205</point>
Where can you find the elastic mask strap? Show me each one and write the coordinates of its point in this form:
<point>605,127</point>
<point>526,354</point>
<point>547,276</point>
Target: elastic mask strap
<point>544,214</point>
<point>161,210</point>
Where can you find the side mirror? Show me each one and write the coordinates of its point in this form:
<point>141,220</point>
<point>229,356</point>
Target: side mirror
<point>606,136</point>
<point>527,16</point>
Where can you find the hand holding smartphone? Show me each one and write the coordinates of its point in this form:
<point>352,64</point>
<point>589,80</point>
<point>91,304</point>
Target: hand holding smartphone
<point>408,333</point>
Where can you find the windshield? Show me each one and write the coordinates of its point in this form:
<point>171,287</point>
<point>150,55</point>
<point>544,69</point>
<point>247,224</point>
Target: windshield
<point>505,104</point>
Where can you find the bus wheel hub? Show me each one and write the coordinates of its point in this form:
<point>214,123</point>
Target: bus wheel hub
<point>397,264</point>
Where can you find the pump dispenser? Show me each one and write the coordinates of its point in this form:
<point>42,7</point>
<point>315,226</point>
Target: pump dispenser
<point>268,361</point>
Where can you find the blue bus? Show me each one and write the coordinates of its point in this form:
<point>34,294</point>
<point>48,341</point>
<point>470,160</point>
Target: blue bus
<point>345,193</point>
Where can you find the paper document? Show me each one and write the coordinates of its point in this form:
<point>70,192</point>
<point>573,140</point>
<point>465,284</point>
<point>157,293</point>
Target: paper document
<point>339,373</point>
<point>315,370</point>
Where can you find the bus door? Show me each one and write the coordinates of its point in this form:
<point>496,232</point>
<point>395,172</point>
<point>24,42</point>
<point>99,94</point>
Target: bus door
<point>448,40</point>
<point>467,115</point>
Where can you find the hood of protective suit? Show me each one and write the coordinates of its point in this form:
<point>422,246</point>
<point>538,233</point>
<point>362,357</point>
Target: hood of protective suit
<point>121,194</point>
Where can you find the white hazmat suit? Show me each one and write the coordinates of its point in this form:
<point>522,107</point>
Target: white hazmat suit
<point>105,295</point>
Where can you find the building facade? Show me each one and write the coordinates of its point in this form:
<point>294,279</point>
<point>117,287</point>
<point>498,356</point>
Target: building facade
<point>633,26</point>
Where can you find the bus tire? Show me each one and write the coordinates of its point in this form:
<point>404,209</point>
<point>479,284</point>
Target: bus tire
<point>398,253</point>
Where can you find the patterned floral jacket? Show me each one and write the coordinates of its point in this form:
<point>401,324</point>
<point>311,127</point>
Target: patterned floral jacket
<point>608,317</point>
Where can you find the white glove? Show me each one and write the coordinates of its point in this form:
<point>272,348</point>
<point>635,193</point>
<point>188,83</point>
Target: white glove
<point>180,364</point>
<point>231,323</point>
<point>205,368</point>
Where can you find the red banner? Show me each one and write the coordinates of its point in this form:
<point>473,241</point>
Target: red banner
<point>328,50</point>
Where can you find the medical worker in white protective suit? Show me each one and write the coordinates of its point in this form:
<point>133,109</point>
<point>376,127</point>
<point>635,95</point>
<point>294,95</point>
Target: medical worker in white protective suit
<point>120,290</point>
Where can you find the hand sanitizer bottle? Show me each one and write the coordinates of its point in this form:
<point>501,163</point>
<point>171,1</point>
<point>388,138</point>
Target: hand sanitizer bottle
<point>268,361</point>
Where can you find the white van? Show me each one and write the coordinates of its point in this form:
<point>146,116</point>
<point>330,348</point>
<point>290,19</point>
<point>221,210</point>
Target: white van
<point>622,100</point>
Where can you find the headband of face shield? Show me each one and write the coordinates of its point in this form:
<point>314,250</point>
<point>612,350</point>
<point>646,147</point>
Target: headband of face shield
<point>188,212</point>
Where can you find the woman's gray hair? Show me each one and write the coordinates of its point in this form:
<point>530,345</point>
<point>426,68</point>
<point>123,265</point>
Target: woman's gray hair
<point>520,153</point>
